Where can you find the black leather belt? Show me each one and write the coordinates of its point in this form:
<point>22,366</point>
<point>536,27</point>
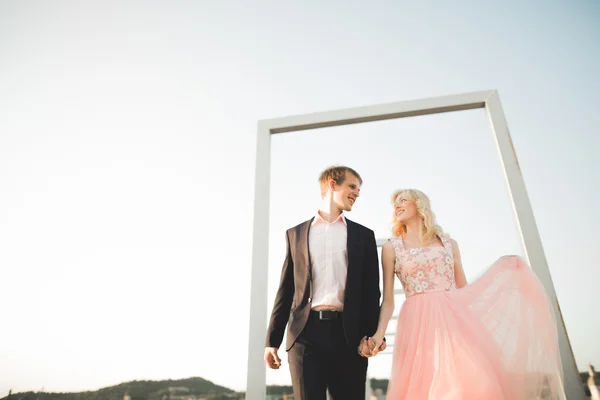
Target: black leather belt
<point>326,314</point>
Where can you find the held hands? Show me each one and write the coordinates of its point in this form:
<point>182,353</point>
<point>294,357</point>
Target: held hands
<point>369,347</point>
<point>271,358</point>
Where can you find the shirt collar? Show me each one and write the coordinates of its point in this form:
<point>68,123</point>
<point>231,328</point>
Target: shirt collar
<point>319,219</point>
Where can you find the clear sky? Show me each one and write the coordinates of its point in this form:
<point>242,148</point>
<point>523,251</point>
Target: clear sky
<point>127,153</point>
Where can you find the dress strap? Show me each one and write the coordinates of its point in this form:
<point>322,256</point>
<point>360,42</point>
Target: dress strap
<point>445,238</point>
<point>398,246</point>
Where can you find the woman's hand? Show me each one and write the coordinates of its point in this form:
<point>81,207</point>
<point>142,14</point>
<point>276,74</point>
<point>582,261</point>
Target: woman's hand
<point>376,344</point>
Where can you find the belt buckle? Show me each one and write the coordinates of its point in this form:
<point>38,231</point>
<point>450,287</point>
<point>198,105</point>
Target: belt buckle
<point>322,315</point>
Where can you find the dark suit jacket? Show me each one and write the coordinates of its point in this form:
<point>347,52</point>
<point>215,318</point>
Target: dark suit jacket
<point>361,301</point>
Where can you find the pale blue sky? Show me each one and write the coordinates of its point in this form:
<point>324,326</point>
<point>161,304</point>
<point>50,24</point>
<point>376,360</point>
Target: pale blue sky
<point>127,140</point>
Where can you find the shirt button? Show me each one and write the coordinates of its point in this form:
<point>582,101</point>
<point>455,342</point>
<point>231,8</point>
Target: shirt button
<point>309,299</point>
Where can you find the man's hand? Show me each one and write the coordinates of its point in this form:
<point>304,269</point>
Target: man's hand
<point>271,358</point>
<point>364,348</point>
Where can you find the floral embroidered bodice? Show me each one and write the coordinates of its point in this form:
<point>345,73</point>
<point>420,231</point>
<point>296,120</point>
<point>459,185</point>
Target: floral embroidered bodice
<point>425,269</point>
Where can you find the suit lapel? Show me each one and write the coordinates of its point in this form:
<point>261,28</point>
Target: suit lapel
<point>351,248</point>
<point>303,244</point>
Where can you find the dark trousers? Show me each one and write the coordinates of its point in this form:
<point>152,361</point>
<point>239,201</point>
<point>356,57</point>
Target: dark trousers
<point>320,360</point>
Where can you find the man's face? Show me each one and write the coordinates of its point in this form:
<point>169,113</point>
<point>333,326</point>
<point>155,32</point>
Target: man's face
<point>345,194</point>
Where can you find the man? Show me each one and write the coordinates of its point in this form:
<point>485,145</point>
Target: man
<point>328,297</point>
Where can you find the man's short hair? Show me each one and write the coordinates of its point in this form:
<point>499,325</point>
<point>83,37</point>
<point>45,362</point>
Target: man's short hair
<point>338,174</point>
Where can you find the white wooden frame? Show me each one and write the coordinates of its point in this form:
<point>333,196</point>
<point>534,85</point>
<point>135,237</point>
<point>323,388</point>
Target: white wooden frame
<point>490,100</point>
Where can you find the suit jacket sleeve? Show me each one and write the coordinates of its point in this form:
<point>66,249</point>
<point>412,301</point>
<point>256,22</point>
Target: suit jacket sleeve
<point>283,301</point>
<point>371,293</point>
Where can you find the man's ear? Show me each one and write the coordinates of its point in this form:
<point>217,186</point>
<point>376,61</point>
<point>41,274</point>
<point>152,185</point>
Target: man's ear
<point>331,185</point>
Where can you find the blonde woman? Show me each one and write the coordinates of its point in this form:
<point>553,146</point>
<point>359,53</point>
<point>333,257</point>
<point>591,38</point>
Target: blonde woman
<point>492,339</point>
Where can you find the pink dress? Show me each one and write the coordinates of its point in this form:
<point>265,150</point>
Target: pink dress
<point>493,339</point>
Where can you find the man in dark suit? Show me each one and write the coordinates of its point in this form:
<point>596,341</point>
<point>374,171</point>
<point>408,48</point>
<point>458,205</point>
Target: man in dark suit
<point>328,297</point>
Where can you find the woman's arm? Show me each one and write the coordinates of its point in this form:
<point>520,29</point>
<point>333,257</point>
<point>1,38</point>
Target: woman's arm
<point>459,273</point>
<point>388,259</point>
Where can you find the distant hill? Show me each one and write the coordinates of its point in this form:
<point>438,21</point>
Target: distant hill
<point>180,389</point>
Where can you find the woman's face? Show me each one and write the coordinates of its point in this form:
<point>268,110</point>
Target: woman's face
<point>404,208</point>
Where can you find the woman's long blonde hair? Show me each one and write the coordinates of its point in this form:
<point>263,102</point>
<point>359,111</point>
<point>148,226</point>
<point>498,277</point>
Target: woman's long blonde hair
<point>430,227</point>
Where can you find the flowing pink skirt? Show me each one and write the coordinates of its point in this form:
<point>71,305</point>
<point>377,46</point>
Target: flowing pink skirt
<point>494,339</point>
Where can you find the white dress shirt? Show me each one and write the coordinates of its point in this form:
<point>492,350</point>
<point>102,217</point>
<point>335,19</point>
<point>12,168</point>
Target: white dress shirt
<point>329,258</point>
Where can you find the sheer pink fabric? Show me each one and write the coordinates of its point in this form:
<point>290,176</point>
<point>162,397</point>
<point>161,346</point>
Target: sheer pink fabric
<point>493,339</point>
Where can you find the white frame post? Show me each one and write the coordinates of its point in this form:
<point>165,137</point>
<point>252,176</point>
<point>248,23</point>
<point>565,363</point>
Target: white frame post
<point>490,100</point>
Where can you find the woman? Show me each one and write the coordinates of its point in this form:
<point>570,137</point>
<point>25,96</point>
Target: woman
<point>493,339</point>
